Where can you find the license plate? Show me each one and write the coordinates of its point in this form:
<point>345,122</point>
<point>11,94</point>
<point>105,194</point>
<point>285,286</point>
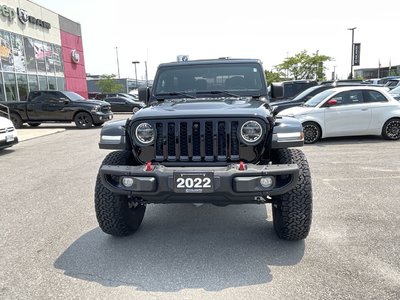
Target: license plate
<point>189,182</point>
<point>9,138</point>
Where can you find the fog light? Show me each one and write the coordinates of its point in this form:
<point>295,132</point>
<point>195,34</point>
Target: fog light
<point>127,181</point>
<point>266,181</point>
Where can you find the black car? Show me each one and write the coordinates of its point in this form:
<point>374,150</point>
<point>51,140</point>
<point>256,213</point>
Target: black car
<point>122,104</point>
<point>102,96</point>
<point>206,136</point>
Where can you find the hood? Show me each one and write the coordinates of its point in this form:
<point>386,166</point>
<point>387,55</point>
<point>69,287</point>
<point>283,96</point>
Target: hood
<point>297,110</point>
<point>188,108</point>
<point>284,101</point>
<point>92,102</point>
<point>5,123</point>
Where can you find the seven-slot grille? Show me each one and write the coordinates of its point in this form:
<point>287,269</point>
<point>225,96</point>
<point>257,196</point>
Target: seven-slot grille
<point>196,140</point>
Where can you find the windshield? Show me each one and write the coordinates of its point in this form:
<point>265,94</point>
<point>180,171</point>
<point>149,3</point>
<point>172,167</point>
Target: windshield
<point>318,98</point>
<point>213,79</point>
<point>73,96</point>
<point>306,92</point>
<point>395,90</point>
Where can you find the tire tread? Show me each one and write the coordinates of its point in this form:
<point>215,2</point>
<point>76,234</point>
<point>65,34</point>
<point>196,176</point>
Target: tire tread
<point>292,211</point>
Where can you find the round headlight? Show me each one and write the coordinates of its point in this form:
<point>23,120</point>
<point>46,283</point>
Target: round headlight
<point>251,131</point>
<point>145,133</point>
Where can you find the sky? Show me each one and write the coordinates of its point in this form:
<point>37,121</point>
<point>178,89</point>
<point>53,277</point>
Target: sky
<point>159,31</point>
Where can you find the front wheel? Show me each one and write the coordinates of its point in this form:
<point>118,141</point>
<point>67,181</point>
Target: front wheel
<point>83,120</point>
<point>116,214</point>
<point>391,129</point>
<point>292,211</point>
<point>312,132</point>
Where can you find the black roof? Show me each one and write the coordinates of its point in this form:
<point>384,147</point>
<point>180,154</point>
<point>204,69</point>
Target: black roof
<point>211,61</point>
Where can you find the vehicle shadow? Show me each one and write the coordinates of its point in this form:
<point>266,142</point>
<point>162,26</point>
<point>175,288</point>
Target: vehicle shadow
<point>183,246</point>
<point>56,126</point>
<point>349,140</point>
<point>6,151</point>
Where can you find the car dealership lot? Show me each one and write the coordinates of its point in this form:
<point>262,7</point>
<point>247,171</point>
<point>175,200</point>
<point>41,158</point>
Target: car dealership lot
<point>51,246</point>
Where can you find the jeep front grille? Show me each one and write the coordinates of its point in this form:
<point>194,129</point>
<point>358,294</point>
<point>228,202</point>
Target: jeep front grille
<point>198,140</point>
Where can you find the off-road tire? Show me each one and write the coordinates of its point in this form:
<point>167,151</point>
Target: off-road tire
<point>292,211</point>
<point>113,211</point>
<point>17,121</point>
<point>312,132</point>
<point>391,129</point>
<point>83,120</point>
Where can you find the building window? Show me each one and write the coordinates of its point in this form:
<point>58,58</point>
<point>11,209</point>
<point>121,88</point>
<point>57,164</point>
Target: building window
<point>28,65</point>
<point>6,53</point>
<point>22,83</point>
<point>18,53</point>
<point>58,63</point>
<point>60,83</point>
<point>52,83</point>
<point>30,55</point>
<point>33,83</point>
<point>10,87</point>
<point>43,83</point>
<point>2,95</point>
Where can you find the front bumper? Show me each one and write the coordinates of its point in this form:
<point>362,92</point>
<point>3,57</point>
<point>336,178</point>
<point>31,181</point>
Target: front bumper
<point>155,184</point>
<point>99,117</point>
<point>5,144</point>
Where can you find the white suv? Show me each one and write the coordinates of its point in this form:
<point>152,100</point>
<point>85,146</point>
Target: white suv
<point>8,134</point>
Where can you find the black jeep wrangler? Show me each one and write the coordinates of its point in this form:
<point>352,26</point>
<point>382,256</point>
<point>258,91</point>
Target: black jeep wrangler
<point>207,135</point>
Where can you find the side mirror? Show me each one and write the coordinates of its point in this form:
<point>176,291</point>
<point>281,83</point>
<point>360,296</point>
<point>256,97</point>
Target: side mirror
<point>331,102</point>
<point>144,94</point>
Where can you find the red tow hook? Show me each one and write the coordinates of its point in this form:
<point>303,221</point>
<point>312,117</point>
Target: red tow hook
<point>148,167</point>
<point>242,166</point>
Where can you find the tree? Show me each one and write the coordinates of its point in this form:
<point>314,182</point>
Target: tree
<point>108,84</point>
<point>273,76</point>
<point>305,66</point>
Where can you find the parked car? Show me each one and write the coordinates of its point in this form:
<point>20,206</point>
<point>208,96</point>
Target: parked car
<point>58,106</point>
<point>392,83</point>
<point>348,111</point>
<point>289,89</point>
<point>8,134</point>
<point>122,104</point>
<point>373,81</point>
<point>395,93</point>
<point>308,94</point>
<point>384,80</point>
<point>102,96</point>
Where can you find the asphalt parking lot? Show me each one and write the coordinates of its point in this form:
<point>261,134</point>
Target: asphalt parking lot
<point>51,246</point>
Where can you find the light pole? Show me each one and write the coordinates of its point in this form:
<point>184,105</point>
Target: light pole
<point>334,73</point>
<point>352,50</point>
<point>135,63</point>
<point>116,50</point>
<point>147,80</point>
<point>316,67</point>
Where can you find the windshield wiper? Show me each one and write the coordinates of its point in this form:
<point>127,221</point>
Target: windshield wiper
<point>177,94</point>
<point>220,92</point>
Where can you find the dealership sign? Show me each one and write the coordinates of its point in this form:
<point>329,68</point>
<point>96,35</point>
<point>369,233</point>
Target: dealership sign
<point>75,56</point>
<point>356,58</point>
<point>23,16</point>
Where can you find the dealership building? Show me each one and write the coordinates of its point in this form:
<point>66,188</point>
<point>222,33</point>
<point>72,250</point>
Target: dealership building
<point>39,50</point>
